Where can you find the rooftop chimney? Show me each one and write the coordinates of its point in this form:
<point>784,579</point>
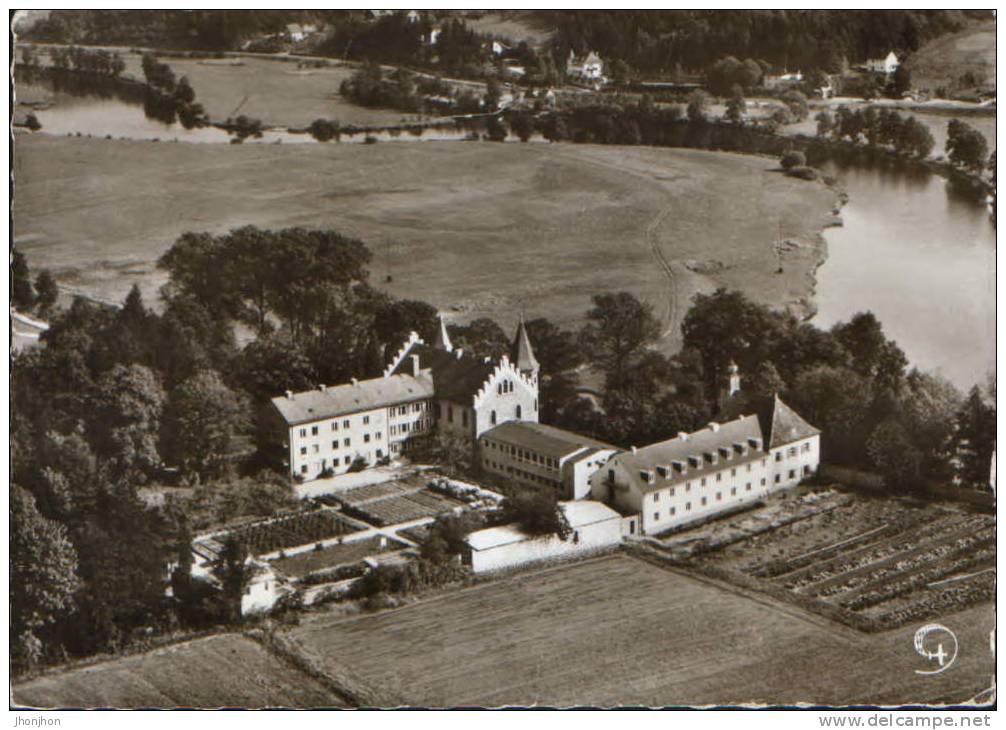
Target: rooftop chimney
<point>322,387</point>
<point>354,381</point>
<point>633,449</point>
<point>459,352</point>
<point>289,395</point>
<point>415,365</point>
<point>714,427</point>
<point>682,435</point>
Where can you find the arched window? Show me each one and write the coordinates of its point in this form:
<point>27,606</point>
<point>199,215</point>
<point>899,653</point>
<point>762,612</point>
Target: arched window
<point>518,412</point>
<point>492,418</point>
<point>499,389</point>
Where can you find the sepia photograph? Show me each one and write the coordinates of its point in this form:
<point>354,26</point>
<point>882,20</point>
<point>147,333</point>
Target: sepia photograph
<point>502,359</point>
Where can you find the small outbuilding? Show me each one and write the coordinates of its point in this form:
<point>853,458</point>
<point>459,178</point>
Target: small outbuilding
<point>593,525</point>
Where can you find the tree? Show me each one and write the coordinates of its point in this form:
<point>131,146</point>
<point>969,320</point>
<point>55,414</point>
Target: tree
<point>765,380</point>
<point>556,350</point>
<point>202,420</point>
<point>235,573</point>
<point>481,337</point>
<point>445,448</point>
<point>184,93</point>
<point>493,95</point>
<point>698,106</point>
<point>271,365</point>
<point>620,72</point>
<point>46,292</point>
<point>736,106</point>
<point>31,122</point>
<point>495,130</point>
<point>892,452</point>
<point>796,102</point>
<point>128,408</point>
<point>901,82</point>
<point>836,400</point>
<point>43,577</point>
<point>538,513</point>
<point>873,355</point>
<point>21,291</point>
<point>619,328</point>
<point>825,123</point>
<point>522,124</point>
<point>975,439</point>
<point>966,146</point>
<point>750,74</point>
<point>723,75</point>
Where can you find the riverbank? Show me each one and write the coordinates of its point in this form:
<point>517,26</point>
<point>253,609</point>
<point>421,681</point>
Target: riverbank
<point>478,229</point>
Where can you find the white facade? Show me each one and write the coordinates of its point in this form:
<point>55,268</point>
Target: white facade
<point>887,65</point>
<point>594,525</point>
<point>590,67</point>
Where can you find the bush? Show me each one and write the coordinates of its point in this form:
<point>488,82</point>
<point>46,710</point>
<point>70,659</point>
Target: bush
<point>793,158</point>
<point>369,139</point>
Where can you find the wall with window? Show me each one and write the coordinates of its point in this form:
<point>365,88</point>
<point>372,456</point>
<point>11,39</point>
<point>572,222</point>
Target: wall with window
<point>521,464</point>
<point>335,443</point>
<point>792,463</point>
<point>407,421</point>
<point>506,396</point>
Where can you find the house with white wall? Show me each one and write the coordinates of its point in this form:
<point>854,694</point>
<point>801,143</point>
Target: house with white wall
<point>886,65</point>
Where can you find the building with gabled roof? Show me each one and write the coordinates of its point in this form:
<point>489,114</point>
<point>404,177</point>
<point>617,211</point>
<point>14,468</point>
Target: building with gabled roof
<point>328,430</point>
<point>758,445</point>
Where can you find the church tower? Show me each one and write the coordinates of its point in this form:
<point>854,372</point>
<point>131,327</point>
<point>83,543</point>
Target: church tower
<point>443,340</point>
<point>521,354</point>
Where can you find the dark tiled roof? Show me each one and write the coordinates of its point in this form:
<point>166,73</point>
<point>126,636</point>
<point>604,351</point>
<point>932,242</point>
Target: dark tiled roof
<point>780,424</point>
<point>679,449</point>
<point>548,440</point>
<point>314,405</point>
<point>456,379</point>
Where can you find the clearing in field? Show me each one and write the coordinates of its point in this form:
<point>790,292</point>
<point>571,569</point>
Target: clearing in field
<point>475,228</point>
<point>616,630</point>
<point>219,671</point>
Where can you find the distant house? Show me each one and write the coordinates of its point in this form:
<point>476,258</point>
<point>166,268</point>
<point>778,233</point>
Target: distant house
<point>432,37</point>
<point>265,586</point>
<point>543,456</point>
<point>412,16</point>
<point>513,69</point>
<point>498,49</point>
<point>887,65</point>
<point>761,445</point>
<point>297,32</point>
<point>782,81</point>
<point>589,68</point>
<point>594,527</point>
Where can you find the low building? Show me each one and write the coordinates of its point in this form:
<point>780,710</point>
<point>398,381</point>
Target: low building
<point>761,446</point>
<point>785,80</point>
<point>594,527</point>
<point>543,456</point>
<point>886,65</point>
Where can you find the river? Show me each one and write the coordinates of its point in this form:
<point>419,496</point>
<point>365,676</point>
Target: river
<point>918,255</point>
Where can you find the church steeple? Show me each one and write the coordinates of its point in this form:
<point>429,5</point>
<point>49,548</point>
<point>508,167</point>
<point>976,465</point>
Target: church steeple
<point>443,341</point>
<point>521,353</point>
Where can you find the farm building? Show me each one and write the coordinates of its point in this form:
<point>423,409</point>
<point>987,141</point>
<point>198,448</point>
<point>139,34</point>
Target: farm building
<point>782,81</point>
<point>265,586</point>
<point>589,67</point>
<point>594,526</point>
<point>540,455</point>
<point>886,65</point>
<point>330,428</point>
<point>760,446</point>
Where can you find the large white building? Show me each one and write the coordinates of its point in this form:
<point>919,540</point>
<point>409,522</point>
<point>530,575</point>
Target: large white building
<point>328,429</point>
<point>761,446</point>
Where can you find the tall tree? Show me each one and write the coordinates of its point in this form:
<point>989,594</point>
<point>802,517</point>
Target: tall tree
<point>43,565</point>
<point>619,329</point>
<point>47,292</point>
<point>21,292</point>
<point>202,421</point>
<point>975,438</point>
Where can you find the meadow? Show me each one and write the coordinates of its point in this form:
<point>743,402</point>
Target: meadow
<point>475,228</point>
<point>615,630</point>
<point>228,670</point>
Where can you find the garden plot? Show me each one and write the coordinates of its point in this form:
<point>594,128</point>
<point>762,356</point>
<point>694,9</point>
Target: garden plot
<point>333,556</point>
<point>286,532</point>
<point>372,492</point>
<point>886,560</point>
<point>406,507</point>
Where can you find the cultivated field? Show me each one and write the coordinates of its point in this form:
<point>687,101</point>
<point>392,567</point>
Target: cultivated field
<point>881,559</point>
<point>514,25</point>
<point>299,565</point>
<point>616,630</point>
<point>219,671</point>
<point>477,229</point>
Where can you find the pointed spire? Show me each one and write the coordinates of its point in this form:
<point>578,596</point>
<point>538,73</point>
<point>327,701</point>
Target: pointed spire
<point>443,341</point>
<point>521,353</point>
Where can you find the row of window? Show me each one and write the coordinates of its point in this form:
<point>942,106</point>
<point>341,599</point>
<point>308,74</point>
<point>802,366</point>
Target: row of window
<point>346,443</point>
<point>704,501</point>
<point>793,451</point>
<point>420,425</point>
<point>791,474</point>
<point>522,454</point>
<point>346,461</point>
<point>418,407</point>
<point>525,475</point>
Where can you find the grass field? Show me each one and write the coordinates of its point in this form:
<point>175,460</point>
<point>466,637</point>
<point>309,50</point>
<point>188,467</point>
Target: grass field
<point>477,229</point>
<point>514,25</point>
<point>615,630</point>
<point>942,61</point>
<point>219,671</point>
